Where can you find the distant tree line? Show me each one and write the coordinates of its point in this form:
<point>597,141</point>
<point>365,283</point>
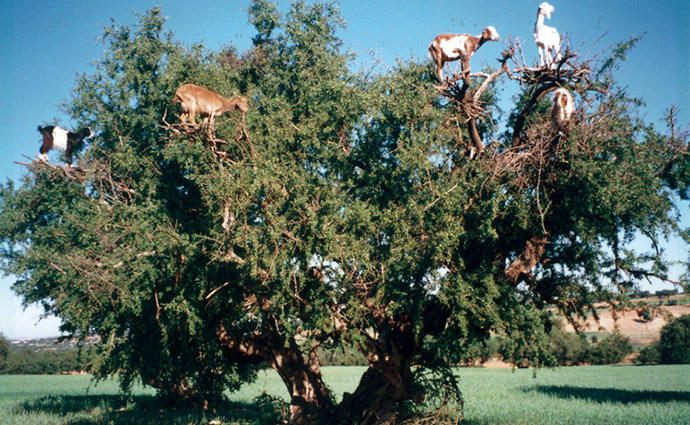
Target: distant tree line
<point>42,361</point>
<point>663,293</point>
<point>566,349</point>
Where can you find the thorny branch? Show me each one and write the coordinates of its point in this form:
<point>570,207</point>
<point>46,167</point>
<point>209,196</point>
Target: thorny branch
<point>469,102</point>
<point>242,139</point>
<point>108,187</point>
<point>566,72</point>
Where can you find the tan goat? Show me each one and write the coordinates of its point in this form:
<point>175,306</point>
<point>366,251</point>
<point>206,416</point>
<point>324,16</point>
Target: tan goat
<point>197,100</point>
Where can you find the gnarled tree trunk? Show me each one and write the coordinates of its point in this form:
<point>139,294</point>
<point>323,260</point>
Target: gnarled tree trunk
<point>388,380</point>
<point>310,400</point>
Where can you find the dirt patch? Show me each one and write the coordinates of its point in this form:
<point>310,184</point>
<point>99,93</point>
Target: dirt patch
<point>496,363</point>
<point>629,324</point>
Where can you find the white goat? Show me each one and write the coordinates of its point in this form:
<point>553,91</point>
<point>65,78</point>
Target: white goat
<point>563,108</point>
<point>546,37</point>
<point>197,100</point>
<point>451,47</point>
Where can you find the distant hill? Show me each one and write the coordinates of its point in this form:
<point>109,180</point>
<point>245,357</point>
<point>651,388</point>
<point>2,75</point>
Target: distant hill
<point>48,343</point>
<point>631,325</point>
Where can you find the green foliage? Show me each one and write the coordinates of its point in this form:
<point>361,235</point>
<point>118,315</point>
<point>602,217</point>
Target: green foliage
<point>610,350</point>
<point>568,348</point>
<point>674,341</point>
<point>265,18</point>
<point>672,347</point>
<point>47,362</point>
<point>342,356</point>
<point>666,293</point>
<point>618,55</point>
<point>481,351</point>
<point>561,348</point>
<point>649,354</point>
<point>4,349</point>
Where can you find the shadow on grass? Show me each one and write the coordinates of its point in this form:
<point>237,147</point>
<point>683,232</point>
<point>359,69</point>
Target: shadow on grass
<point>144,410</point>
<point>612,395</point>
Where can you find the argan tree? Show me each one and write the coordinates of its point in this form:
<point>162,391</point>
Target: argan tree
<point>371,211</point>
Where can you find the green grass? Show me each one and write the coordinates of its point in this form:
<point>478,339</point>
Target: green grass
<point>75,400</point>
<point>578,395</point>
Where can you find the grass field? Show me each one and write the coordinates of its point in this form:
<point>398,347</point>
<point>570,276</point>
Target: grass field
<point>579,395</point>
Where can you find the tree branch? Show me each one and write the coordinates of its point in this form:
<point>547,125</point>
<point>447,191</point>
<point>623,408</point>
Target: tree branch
<point>520,268</point>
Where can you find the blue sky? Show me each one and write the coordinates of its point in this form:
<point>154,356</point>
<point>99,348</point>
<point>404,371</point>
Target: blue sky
<point>45,44</point>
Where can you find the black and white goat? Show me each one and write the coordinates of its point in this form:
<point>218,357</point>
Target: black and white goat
<point>59,138</point>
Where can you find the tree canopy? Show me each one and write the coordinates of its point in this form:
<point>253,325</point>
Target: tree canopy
<point>378,211</point>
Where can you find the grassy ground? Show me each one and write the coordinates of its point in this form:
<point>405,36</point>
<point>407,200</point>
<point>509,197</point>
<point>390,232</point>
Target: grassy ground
<point>578,395</point>
<point>581,395</point>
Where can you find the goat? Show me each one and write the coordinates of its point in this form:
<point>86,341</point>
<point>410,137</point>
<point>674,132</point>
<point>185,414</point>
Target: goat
<point>451,47</point>
<point>59,138</point>
<point>563,108</point>
<point>197,100</point>
<point>546,37</point>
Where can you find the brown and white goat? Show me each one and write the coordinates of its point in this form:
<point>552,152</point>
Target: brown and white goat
<point>197,100</point>
<point>563,108</point>
<point>451,47</point>
<point>59,138</point>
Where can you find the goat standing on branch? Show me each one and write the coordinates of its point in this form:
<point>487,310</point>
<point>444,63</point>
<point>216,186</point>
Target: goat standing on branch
<point>451,47</point>
<point>563,108</point>
<point>546,37</point>
<point>59,138</point>
<point>197,100</point>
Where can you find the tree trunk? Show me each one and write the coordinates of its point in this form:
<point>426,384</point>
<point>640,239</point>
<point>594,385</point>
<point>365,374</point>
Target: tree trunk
<point>376,397</point>
<point>520,268</point>
<point>388,380</point>
<point>310,400</point>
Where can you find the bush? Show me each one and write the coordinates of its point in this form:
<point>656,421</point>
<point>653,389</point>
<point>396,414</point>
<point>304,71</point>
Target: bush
<point>481,351</point>
<point>569,349</point>
<point>674,343</point>
<point>4,349</point>
<point>649,354</point>
<point>610,350</point>
<point>561,349</point>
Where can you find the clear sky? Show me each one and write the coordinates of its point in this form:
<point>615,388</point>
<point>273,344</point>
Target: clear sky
<point>46,43</point>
